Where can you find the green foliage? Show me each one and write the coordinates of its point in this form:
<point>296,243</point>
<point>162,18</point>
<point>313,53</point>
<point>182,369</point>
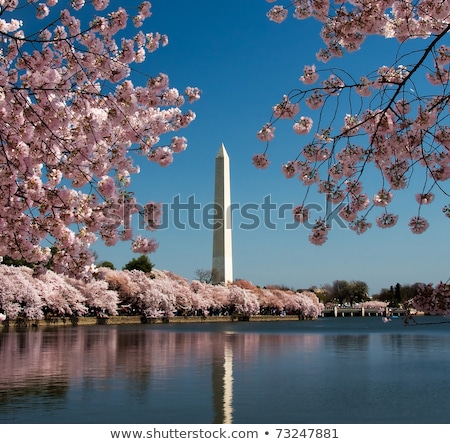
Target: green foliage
<point>106,264</point>
<point>7,260</point>
<point>342,292</point>
<point>397,295</point>
<point>141,263</point>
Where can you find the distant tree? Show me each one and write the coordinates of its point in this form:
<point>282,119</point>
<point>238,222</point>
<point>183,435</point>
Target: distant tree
<point>359,292</point>
<point>243,283</point>
<point>340,291</point>
<point>346,292</point>
<point>322,293</point>
<point>19,294</point>
<point>26,295</point>
<point>243,301</point>
<point>141,263</point>
<point>411,291</point>
<point>7,260</point>
<point>398,294</point>
<point>106,264</point>
<point>281,287</point>
<point>206,276</point>
<point>385,295</point>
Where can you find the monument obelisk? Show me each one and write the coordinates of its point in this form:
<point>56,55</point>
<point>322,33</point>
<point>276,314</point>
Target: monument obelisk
<point>222,263</point>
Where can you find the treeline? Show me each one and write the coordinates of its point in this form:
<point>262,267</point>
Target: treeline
<point>343,292</point>
<point>398,295</point>
<point>26,294</point>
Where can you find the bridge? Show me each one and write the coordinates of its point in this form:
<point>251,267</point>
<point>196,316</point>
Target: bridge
<point>360,311</point>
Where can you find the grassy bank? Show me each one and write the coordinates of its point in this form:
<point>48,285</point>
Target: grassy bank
<point>133,320</point>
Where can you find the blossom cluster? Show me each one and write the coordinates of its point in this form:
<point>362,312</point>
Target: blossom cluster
<point>71,120</point>
<point>403,119</point>
<point>159,294</point>
<point>434,300</point>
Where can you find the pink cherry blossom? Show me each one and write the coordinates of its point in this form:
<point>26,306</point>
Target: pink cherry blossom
<point>42,11</point>
<point>446,210</point>
<point>418,224</point>
<point>333,85</point>
<point>153,215</point>
<point>360,225</point>
<point>144,245</point>
<point>243,301</point>
<point>319,232</point>
<point>359,202</point>
<point>178,144</point>
<point>19,297</point>
<point>363,88</point>
<point>433,300</point>
<point>386,220</point>
<point>277,14</point>
<point>192,94</point>
<point>99,4</point>
<point>300,214</point>
<point>443,55</point>
<point>285,109</point>
<point>383,198</point>
<point>106,186</point>
<point>266,133</point>
<point>348,213</point>
<point>303,9</point>
<point>425,198</point>
<point>303,125</point>
<point>352,125</point>
<point>315,100</point>
<point>310,75</point>
<point>59,295</point>
<point>290,169</point>
<point>161,155</point>
<point>28,295</point>
<point>261,161</point>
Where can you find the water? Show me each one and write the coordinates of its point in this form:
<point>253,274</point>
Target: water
<point>330,371</point>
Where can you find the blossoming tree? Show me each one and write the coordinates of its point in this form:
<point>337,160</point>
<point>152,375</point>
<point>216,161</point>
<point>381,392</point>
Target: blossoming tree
<point>27,295</point>
<point>392,122</point>
<point>70,120</point>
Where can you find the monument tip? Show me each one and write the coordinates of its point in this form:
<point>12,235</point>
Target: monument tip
<point>222,151</point>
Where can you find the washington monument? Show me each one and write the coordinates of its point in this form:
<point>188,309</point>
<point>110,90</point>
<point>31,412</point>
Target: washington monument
<point>222,263</point>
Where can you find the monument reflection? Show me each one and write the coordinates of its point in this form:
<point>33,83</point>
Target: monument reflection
<point>222,381</point>
<point>158,369</point>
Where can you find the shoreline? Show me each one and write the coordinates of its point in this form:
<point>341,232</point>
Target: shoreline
<point>137,320</point>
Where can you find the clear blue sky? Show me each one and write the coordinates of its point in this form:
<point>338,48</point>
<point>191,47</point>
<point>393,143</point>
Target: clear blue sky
<point>243,63</point>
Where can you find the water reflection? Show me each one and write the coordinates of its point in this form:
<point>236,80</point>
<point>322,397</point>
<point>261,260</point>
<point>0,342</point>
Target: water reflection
<point>37,367</point>
<point>222,381</point>
<point>221,374</point>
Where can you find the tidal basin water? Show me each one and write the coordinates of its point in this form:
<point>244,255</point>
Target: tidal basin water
<point>332,371</point>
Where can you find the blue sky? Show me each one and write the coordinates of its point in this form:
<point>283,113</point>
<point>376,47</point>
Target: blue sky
<point>243,63</point>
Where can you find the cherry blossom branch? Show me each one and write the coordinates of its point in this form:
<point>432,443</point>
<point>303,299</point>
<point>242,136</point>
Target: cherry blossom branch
<point>397,141</point>
<point>71,117</point>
